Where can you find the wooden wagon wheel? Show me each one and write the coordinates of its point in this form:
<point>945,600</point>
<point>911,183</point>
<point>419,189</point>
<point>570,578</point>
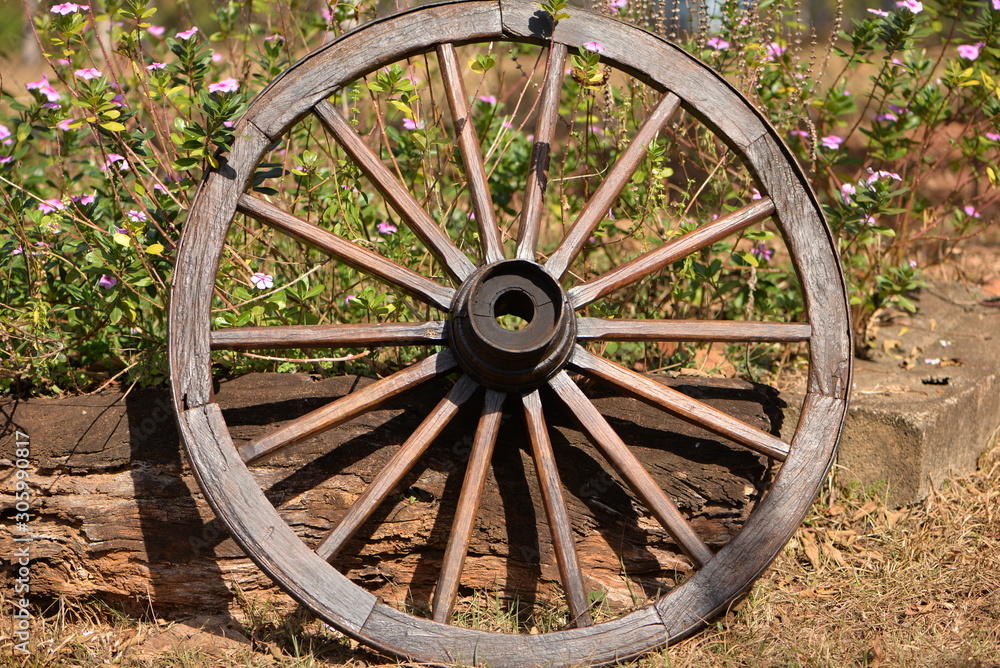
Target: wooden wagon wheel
<point>513,364</point>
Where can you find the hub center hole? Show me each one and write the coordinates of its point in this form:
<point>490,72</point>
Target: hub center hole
<point>514,310</point>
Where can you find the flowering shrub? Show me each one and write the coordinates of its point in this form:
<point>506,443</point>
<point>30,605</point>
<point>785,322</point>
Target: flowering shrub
<point>100,158</point>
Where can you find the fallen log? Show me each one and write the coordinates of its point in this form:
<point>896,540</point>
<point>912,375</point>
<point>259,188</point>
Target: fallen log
<point>117,515</point>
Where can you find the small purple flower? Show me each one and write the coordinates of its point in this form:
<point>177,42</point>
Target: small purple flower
<point>65,124</point>
<point>385,227</point>
<point>970,211</point>
<point>878,12</point>
<point>762,252</point>
<point>156,31</point>
<point>717,43</point>
<point>88,73</point>
<point>187,34</point>
<point>488,99</point>
<point>68,8</point>
<point>4,159</point>
<point>217,57</point>
<point>774,51</point>
<point>970,51</point>
<point>996,5</point>
<point>262,281</point>
<point>51,205</point>
<point>410,124</point>
<point>846,191</point>
<point>914,6</point>
<point>5,133</point>
<point>43,87</point>
<point>114,159</point>
<point>274,38</point>
<point>755,194</point>
<point>152,67</point>
<point>616,5</point>
<point>887,116</point>
<point>880,174</point>
<point>992,136</point>
<point>229,85</point>
<point>913,264</point>
<point>84,199</point>
<point>136,216</point>
<point>348,299</point>
<point>832,142</point>
<point>106,282</point>
<point>595,47</point>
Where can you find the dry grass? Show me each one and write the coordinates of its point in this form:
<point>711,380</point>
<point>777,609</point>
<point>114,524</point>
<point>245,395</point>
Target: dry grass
<point>861,584</point>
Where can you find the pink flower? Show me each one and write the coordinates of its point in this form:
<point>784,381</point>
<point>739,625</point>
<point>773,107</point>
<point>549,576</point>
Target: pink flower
<point>717,43</point>
<point>846,191</point>
<point>996,5</point>
<point>68,8</point>
<point>410,124</point>
<point>136,216</point>
<point>385,227</point>
<point>187,34</point>
<point>106,282</point>
<point>887,116</point>
<point>274,38</point>
<point>969,51</point>
<point>51,205</point>
<point>488,99</point>
<point>4,159</point>
<point>616,5</point>
<point>155,66</point>
<point>4,132</point>
<point>992,136</point>
<point>774,51</point>
<point>832,142</point>
<point>913,264</point>
<point>595,47</point>
<point>84,199</point>
<point>970,211</point>
<point>156,31</point>
<point>64,125</point>
<point>762,252</point>
<point>262,281</point>
<point>88,73</point>
<point>113,159</point>
<point>229,85</point>
<point>754,194</point>
<point>878,12</point>
<point>880,174</point>
<point>216,57</point>
<point>914,6</point>
<point>43,87</point>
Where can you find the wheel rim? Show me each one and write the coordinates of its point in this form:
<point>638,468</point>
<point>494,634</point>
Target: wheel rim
<point>543,354</point>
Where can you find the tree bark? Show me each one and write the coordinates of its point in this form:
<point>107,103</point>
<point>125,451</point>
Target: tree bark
<point>117,515</point>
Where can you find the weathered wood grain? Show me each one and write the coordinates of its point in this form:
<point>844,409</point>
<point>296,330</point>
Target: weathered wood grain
<point>359,335</point>
<point>596,208</point>
<point>362,259</point>
<point>472,156</point>
<point>555,511</point>
<point>538,166</point>
<point>621,329</point>
<point>671,251</point>
<point>399,197</point>
<point>350,406</point>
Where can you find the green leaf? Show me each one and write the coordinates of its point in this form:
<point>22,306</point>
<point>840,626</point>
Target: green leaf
<point>113,126</point>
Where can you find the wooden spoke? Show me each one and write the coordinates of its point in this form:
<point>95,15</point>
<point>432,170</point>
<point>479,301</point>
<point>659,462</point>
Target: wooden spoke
<point>435,238</point>
<point>360,258</point>
<point>349,406</point>
<point>555,510</point>
<point>359,335</point>
<point>647,263</point>
<point>468,504</point>
<point>680,404</point>
<point>626,463</point>
<point>398,466</point>
<point>597,207</point>
<point>608,329</point>
<point>472,156</point>
<point>538,167</point>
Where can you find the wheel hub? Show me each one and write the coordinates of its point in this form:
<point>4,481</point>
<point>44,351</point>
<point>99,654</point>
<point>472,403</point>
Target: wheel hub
<point>484,336</point>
